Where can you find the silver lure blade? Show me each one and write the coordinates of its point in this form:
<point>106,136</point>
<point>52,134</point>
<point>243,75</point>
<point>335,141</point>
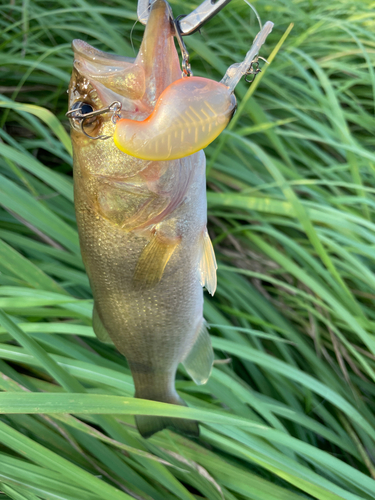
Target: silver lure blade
<point>192,22</point>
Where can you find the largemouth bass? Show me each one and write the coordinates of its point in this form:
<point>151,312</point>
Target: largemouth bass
<point>142,222</point>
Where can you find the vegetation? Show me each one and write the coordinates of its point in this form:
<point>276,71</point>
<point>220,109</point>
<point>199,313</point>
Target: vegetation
<point>289,412</point>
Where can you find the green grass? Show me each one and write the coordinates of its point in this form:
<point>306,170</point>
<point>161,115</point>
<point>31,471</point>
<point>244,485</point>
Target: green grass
<point>289,412</point>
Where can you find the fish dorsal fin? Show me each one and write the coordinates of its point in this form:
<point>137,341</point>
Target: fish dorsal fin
<point>99,329</point>
<point>198,362</point>
<point>207,264</point>
<point>153,260</point>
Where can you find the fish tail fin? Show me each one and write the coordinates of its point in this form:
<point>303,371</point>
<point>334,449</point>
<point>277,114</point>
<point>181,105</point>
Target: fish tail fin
<point>149,424</point>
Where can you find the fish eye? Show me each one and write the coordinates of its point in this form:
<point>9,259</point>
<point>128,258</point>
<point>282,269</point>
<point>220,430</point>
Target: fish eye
<point>77,112</point>
<point>82,108</point>
<point>85,108</point>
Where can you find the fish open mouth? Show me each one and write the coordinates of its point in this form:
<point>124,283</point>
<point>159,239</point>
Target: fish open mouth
<point>103,78</point>
<point>179,115</point>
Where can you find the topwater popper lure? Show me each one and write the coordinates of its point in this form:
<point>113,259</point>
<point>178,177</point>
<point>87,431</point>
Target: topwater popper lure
<point>138,129</point>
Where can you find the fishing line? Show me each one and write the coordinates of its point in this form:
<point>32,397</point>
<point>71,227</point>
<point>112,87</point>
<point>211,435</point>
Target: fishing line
<point>131,36</point>
<point>254,68</point>
<point>255,12</point>
<point>138,20</point>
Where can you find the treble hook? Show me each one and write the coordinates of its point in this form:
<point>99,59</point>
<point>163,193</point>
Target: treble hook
<point>74,114</point>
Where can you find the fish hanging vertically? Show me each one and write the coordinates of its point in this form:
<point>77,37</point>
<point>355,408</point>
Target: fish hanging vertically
<point>142,213</point>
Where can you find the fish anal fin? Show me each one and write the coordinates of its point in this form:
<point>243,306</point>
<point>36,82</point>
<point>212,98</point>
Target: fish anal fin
<point>153,260</point>
<point>207,264</point>
<point>99,329</point>
<point>198,363</point>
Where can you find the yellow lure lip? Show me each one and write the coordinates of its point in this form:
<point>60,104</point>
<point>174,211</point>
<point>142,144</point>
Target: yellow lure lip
<point>189,114</point>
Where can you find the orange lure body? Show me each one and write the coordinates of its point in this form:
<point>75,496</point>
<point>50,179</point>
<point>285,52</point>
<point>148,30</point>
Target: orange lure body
<point>189,115</point>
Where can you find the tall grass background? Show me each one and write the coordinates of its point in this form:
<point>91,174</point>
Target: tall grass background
<point>288,413</point>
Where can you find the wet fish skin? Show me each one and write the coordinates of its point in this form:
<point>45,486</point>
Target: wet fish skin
<point>142,225</point>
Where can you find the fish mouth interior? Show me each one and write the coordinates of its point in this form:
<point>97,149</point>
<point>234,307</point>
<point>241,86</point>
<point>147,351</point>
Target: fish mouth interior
<point>97,56</point>
<point>113,77</point>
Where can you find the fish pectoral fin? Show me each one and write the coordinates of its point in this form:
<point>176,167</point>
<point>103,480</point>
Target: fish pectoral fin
<point>207,264</point>
<point>129,205</point>
<point>99,329</point>
<point>153,260</point>
<point>198,363</point>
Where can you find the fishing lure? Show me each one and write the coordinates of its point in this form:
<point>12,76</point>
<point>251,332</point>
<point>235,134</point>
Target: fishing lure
<point>138,128</point>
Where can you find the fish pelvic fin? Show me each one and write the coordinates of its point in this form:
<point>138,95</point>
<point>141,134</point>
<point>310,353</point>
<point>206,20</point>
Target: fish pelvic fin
<point>198,363</point>
<point>99,329</point>
<point>153,260</point>
<point>207,264</point>
<point>148,425</point>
